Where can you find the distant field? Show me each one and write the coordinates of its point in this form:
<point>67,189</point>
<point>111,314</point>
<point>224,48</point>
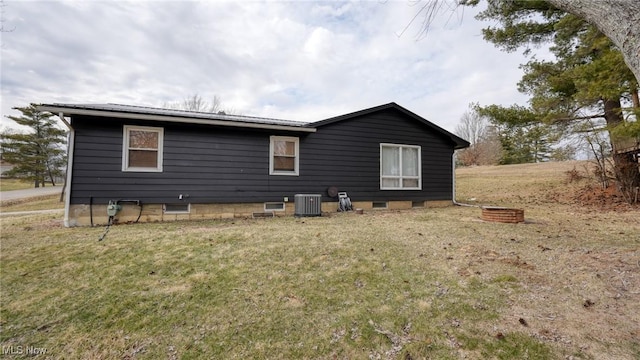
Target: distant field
<point>39,203</point>
<point>568,183</point>
<point>14,184</point>
<point>424,283</point>
<point>516,184</point>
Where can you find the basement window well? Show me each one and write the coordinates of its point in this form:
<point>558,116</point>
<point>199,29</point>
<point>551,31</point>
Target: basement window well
<point>275,206</point>
<point>379,205</point>
<point>177,208</point>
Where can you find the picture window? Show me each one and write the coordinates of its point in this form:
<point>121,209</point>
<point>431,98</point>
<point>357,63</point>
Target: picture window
<point>400,167</point>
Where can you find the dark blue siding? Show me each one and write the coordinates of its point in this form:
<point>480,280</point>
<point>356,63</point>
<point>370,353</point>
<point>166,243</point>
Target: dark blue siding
<point>226,165</point>
<point>346,154</point>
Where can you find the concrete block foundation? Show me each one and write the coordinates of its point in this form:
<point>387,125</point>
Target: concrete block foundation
<point>84,215</point>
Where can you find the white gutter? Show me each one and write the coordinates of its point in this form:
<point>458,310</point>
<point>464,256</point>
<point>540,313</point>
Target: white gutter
<point>177,119</point>
<point>70,150</point>
<point>453,177</point>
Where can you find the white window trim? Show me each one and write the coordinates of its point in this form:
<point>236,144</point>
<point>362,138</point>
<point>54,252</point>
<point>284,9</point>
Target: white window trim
<point>125,148</point>
<point>296,140</point>
<point>401,177</point>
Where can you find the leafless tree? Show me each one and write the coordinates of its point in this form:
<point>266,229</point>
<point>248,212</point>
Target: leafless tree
<point>472,126</point>
<point>601,151</point>
<point>195,102</point>
<point>485,146</point>
<point>619,20</point>
<point>3,28</point>
<point>2,19</point>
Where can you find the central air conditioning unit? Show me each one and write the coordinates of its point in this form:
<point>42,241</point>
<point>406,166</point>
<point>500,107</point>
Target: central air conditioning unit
<point>308,205</point>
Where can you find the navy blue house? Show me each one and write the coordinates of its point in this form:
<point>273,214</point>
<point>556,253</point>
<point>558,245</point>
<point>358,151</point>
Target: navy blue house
<point>158,164</point>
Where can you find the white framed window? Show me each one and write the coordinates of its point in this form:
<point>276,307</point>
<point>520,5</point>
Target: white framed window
<point>400,167</point>
<point>284,155</point>
<point>142,148</point>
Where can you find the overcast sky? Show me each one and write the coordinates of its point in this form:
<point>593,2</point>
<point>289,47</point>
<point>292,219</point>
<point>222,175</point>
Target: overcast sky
<point>302,60</point>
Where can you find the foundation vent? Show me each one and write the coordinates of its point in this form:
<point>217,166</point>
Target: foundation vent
<point>308,204</point>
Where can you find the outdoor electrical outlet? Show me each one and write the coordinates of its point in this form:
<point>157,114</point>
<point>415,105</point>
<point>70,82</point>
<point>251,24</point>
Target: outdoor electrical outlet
<point>286,199</point>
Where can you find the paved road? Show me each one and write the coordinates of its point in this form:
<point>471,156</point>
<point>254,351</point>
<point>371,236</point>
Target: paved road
<point>28,193</point>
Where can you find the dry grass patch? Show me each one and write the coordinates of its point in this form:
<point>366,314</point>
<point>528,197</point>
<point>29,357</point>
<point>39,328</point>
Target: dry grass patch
<point>423,283</point>
<point>47,202</point>
<point>14,184</point>
<point>529,184</point>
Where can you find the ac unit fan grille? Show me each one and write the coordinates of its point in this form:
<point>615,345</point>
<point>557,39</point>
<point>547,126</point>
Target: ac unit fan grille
<point>308,204</point>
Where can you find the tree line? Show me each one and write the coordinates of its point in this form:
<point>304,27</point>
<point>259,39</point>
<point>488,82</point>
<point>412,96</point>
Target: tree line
<point>590,88</point>
<point>587,91</point>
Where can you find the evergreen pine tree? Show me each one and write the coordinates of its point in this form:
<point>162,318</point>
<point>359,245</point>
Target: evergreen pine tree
<point>587,80</point>
<point>37,155</point>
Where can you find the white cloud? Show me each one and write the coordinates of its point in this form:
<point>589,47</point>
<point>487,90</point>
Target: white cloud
<point>294,60</point>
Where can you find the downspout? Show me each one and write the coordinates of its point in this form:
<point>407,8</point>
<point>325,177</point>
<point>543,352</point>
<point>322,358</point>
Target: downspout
<point>70,149</point>
<point>453,180</point>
